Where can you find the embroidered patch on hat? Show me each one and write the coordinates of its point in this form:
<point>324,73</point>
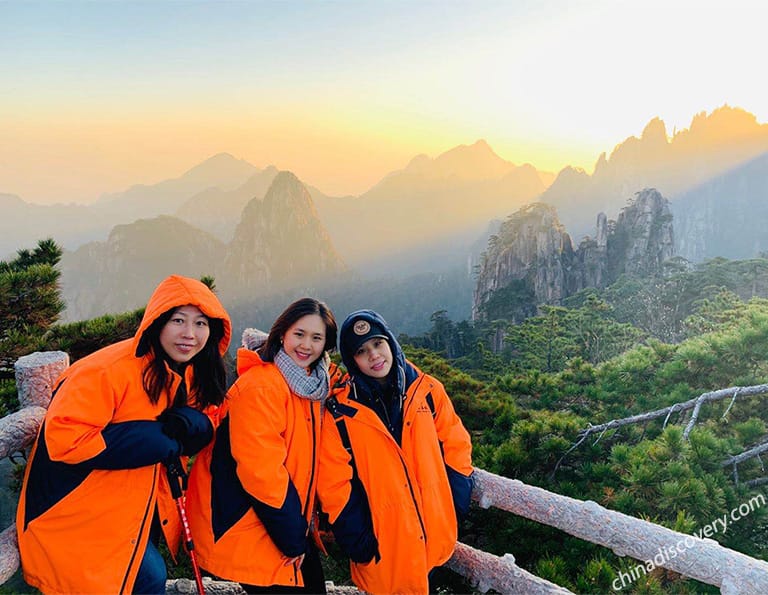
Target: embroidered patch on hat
<point>361,327</point>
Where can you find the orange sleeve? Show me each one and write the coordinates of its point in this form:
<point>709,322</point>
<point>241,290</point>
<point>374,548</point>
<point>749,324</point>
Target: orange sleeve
<point>457,444</point>
<point>83,405</point>
<point>257,413</point>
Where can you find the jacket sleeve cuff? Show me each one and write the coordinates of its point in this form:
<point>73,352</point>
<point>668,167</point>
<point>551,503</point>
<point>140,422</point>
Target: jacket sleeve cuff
<point>134,444</point>
<point>353,528</point>
<point>461,489</point>
<point>286,526</point>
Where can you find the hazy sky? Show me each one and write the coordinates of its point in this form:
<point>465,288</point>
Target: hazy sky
<point>96,96</point>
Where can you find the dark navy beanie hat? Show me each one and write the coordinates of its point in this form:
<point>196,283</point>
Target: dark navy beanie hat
<point>356,333</point>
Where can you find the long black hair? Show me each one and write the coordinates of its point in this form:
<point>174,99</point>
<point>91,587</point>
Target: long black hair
<point>210,374</point>
<point>298,309</point>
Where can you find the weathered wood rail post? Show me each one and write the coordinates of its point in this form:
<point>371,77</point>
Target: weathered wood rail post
<point>703,559</point>
<point>35,376</point>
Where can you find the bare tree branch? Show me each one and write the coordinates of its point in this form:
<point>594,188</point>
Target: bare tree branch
<point>694,418</point>
<point>746,455</point>
<point>717,395</point>
<point>694,403</point>
<point>733,400</point>
<point>753,483</point>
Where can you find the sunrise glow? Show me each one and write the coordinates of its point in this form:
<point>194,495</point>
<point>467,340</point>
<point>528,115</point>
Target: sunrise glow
<point>99,96</point>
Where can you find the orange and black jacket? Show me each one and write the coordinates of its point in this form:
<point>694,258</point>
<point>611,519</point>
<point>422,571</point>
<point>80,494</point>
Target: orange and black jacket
<point>95,476</point>
<point>251,493</point>
<point>393,491</point>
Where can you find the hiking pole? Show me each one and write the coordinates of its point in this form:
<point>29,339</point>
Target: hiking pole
<point>177,478</point>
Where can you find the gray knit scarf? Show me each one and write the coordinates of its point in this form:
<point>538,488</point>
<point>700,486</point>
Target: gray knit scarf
<point>312,386</point>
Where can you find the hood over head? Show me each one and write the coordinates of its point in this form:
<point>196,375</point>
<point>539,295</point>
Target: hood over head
<point>176,291</point>
<point>349,341</point>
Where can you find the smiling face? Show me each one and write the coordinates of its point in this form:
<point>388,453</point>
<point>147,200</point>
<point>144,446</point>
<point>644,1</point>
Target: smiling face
<point>185,334</point>
<point>374,358</point>
<point>305,339</point>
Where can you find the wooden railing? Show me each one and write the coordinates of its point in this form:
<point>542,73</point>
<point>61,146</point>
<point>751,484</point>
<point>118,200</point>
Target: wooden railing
<point>702,559</point>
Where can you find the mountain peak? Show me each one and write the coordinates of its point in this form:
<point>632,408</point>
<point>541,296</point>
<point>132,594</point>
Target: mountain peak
<point>286,178</point>
<point>287,191</point>
<point>420,162</point>
<point>467,162</point>
<point>480,149</point>
<point>220,165</point>
<point>713,144</point>
<point>655,132</point>
<point>481,146</point>
<point>8,200</point>
<point>264,250</point>
<point>723,123</point>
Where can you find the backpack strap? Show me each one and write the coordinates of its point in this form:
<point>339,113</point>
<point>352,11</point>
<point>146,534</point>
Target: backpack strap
<point>337,410</point>
<point>431,402</point>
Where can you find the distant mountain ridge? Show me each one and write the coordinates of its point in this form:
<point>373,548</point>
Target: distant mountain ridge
<point>278,244</point>
<point>73,225</point>
<point>457,191</point>
<point>118,275</point>
<point>220,171</point>
<point>444,200</point>
<point>425,217</point>
<point>433,200</point>
<point>466,162</point>
<point>713,145</point>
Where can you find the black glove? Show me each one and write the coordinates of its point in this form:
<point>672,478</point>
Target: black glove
<point>189,426</point>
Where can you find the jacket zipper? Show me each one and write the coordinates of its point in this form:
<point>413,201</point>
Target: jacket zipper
<point>314,455</point>
<point>141,530</point>
<point>402,460</point>
<point>296,566</point>
<point>413,497</point>
<point>405,469</point>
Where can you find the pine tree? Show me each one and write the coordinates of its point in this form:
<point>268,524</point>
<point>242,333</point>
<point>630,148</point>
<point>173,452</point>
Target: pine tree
<point>30,300</point>
<point>29,303</point>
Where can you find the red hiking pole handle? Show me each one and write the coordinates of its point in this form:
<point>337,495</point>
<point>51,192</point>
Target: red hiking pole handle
<point>177,479</point>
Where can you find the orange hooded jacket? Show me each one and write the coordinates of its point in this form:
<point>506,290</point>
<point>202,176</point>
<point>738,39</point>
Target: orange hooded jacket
<point>94,477</point>
<point>392,507</point>
<point>407,497</point>
<point>263,459</point>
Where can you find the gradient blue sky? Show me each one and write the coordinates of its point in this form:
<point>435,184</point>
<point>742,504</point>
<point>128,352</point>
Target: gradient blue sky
<point>100,95</point>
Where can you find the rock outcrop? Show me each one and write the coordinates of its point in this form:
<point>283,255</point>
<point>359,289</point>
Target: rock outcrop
<point>534,253</point>
<point>280,241</point>
<point>643,237</point>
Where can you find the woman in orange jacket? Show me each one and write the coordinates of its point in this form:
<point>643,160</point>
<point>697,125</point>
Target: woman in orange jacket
<point>395,463</point>
<point>251,497</point>
<point>95,496</point>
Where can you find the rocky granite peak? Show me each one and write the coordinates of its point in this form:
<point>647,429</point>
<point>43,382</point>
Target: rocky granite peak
<point>280,240</point>
<point>534,253</point>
